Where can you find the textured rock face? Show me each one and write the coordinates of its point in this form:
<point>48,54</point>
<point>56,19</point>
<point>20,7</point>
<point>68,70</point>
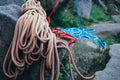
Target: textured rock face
<point>8,17</point>
<point>47,4</point>
<point>112,69</point>
<point>106,30</point>
<point>85,8</point>
<point>87,57</point>
<point>118,1</point>
<point>7,2</point>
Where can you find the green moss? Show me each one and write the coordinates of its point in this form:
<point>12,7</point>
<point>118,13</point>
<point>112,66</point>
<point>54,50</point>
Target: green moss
<point>111,40</point>
<point>97,15</point>
<point>66,17</point>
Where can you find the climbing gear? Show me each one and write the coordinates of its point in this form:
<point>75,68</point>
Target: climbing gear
<point>52,11</point>
<point>80,33</point>
<point>60,34</point>
<point>87,32</point>
<point>33,40</point>
<point>83,33</point>
<point>63,35</point>
<point>72,34</point>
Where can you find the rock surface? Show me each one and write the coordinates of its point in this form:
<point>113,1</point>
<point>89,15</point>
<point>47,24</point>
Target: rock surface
<point>47,4</point>
<point>106,30</point>
<point>112,69</point>
<point>7,2</point>
<point>87,57</point>
<point>118,1</point>
<point>8,17</point>
<point>85,8</point>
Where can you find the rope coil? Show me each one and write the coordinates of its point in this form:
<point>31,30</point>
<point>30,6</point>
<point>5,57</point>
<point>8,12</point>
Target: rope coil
<point>34,40</point>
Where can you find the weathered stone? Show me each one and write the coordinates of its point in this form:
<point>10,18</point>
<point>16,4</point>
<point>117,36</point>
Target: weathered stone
<point>112,69</point>
<point>118,1</point>
<point>106,30</point>
<point>3,49</point>
<point>87,58</point>
<point>112,9</point>
<point>8,17</point>
<point>7,2</point>
<point>85,8</point>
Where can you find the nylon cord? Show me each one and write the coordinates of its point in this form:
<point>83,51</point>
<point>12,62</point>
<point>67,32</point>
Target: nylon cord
<point>33,40</point>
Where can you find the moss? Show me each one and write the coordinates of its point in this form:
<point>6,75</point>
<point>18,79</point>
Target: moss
<point>111,40</point>
<point>97,15</point>
<point>64,18</point>
<point>67,17</point>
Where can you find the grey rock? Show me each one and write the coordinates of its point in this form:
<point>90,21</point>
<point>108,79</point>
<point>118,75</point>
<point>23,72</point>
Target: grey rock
<point>3,49</point>
<point>112,69</point>
<point>8,17</point>
<point>116,18</point>
<point>7,2</point>
<point>106,30</point>
<point>112,9</point>
<point>47,4</point>
<point>85,8</point>
<point>118,1</point>
<point>87,57</point>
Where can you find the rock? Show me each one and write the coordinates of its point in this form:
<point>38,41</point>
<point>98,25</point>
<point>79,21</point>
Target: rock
<point>112,9</point>
<point>47,4</point>
<point>118,1</point>
<point>87,57</point>
<point>85,8</point>
<point>7,2</point>
<point>112,69</point>
<point>8,17</point>
<point>3,49</point>
<point>106,30</point>
<point>116,18</point>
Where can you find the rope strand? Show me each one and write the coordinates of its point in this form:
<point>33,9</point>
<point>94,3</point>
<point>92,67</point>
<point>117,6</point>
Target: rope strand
<point>34,40</point>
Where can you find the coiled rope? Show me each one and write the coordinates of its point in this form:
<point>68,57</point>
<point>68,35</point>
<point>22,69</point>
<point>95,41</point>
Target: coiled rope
<point>33,40</point>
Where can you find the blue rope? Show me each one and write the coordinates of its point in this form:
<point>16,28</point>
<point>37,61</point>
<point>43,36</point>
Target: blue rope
<point>83,33</point>
<point>77,10</point>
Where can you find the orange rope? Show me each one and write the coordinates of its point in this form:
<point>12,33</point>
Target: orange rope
<point>34,40</point>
